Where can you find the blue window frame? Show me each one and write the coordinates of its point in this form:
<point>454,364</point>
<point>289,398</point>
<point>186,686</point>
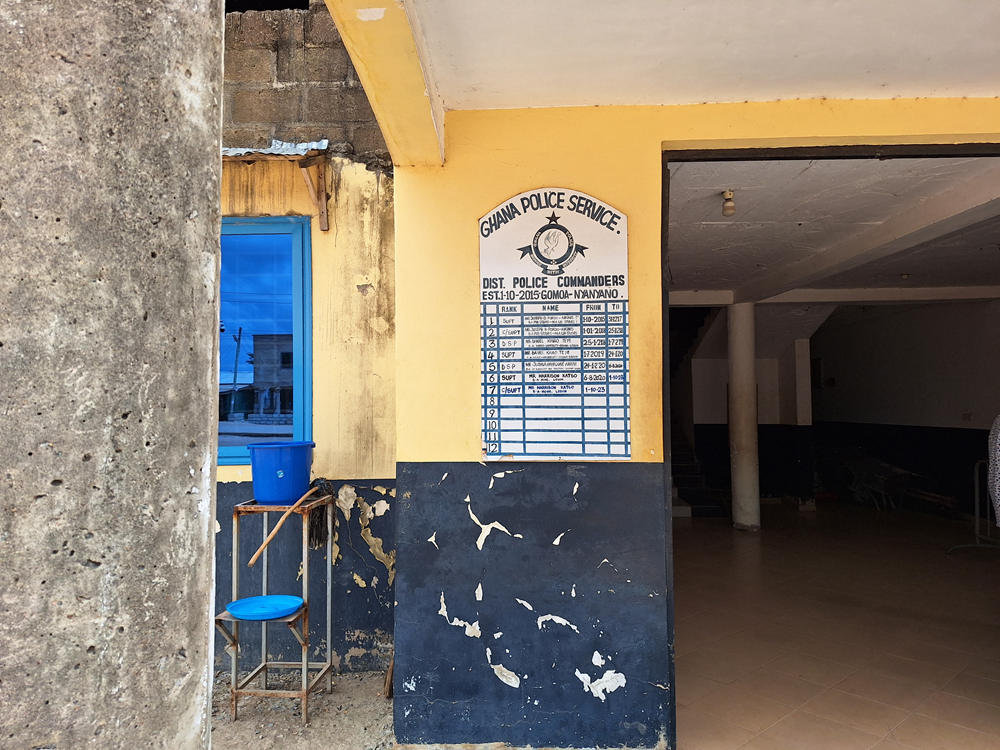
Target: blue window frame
<point>265,334</point>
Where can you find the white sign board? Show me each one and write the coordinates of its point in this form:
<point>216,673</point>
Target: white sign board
<point>554,322</point>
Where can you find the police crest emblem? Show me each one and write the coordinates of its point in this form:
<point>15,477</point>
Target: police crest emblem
<point>553,247</point>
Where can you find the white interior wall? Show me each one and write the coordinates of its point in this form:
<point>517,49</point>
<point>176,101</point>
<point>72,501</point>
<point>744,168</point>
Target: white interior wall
<point>709,392</point>
<point>935,365</point>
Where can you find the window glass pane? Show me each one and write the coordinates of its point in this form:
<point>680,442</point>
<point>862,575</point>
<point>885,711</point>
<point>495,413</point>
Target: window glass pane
<point>255,339</point>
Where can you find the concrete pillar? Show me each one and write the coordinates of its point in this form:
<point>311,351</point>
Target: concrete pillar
<point>743,417</point>
<point>803,383</point>
<point>109,227</point>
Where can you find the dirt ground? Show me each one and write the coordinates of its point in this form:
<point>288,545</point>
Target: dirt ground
<point>354,716</point>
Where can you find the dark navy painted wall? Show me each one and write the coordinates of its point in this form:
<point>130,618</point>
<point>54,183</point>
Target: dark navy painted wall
<point>943,457</point>
<point>786,457</point>
<point>607,579</point>
<point>362,616</point>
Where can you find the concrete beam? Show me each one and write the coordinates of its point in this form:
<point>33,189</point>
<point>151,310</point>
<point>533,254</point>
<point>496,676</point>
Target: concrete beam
<point>384,49</point>
<point>968,203</point>
<point>701,298</point>
<point>886,296</point>
<point>109,234</point>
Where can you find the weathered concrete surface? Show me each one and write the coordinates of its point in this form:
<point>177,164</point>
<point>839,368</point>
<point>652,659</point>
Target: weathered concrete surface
<point>109,222</point>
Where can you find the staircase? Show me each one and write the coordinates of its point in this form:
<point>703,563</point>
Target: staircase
<point>689,484</point>
<point>691,495</point>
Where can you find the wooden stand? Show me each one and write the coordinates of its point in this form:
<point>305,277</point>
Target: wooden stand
<point>297,622</point>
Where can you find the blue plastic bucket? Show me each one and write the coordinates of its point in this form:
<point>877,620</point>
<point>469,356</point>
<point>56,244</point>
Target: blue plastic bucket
<point>280,471</point>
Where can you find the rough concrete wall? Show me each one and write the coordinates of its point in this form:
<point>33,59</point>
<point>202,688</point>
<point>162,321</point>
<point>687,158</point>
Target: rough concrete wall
<point>288,76</point>
<point>109,227</point>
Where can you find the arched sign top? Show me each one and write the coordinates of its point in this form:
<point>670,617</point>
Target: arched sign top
<point>554,321</point>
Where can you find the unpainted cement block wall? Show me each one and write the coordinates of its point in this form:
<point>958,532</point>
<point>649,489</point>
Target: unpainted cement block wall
<point>288,76</point>
<point>109,253</point>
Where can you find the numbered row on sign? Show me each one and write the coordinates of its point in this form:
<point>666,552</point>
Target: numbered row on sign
<point>504,378</point>
<point>565,389</point>
<point>569,342</point>
<point>555,365</point>
<point>550,320</point>
<point>508,412</point>
<point>544,355</point>
<point>557,437</point>
<point>602,339</point>
<point>492,331</point>
<point>594,450</point>
<point>561,402</point>
<point>555,425</point>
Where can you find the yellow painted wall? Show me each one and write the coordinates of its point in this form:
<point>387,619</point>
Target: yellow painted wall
<point>353,319</point>
<point>614,154</point>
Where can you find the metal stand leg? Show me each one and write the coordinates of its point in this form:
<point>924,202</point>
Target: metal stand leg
<point>983,540</point>
<point>264,592</point>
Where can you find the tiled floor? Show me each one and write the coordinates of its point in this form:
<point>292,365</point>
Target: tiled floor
<point>841,629</point>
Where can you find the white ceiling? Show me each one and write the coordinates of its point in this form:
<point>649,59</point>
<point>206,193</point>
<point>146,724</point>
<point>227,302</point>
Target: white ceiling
<point>788,212</point>
<point>483,54</point>
<point>970,257</point>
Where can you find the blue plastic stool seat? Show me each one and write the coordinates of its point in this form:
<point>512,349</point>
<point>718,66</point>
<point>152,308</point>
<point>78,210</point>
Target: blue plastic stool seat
<point>264,607</point>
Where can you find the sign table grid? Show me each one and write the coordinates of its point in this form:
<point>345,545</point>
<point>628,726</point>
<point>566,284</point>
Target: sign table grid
<point>555,380</point>
<point>553,266</point>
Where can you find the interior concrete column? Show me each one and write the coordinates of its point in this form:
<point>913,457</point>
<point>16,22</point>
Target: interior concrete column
<point>109,326</point>
<point>743,417</point>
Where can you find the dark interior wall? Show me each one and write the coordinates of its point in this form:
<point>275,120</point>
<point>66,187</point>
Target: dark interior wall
<point>942,457</point>
<point>362,621</point>
<point>786,458</point>
<point>497,644</point>
<point>288,76</point>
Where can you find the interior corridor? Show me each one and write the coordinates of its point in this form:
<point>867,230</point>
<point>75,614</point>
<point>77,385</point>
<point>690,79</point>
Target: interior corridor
<point>840,629</point>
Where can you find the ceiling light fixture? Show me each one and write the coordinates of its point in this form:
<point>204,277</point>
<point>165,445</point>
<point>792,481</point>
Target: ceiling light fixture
<point>728,207</point>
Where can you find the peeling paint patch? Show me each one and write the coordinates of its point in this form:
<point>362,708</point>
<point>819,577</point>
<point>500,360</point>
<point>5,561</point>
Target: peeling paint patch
<point>576,486</point>
<point>497,635</point>
<point>558,621</point>
<point>597,659</point>
<point>485,529</point>
<point>503,674</point>
<point>608,683</point>
<point>433,539</point>
<point>468,499</point>
<point>218,528</point>
<point>525,605</point>
<point>370,14</point>
<point>479,592</point>
<point>558,539</point>
<point>380,507</point>
<point>471,629</point>
<point>374,543</point>
<point>379,489</point>
<point>410,685</point>
<point>360,581</point>
<point>573,591</point>
<point>606,560</point>
<point>346,497</point>
<point>443,477</point>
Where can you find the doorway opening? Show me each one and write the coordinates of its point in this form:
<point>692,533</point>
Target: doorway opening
<point>873,280</point>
